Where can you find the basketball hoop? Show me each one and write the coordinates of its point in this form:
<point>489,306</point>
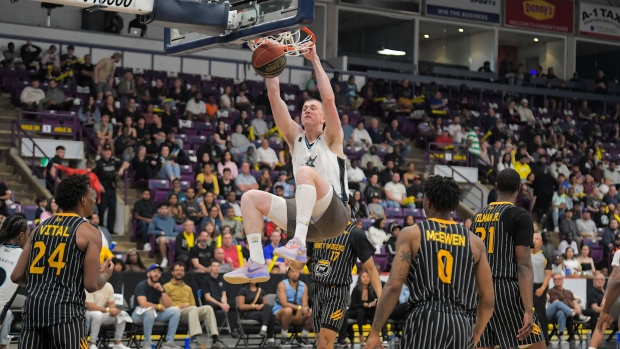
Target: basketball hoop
<point>292,42</point>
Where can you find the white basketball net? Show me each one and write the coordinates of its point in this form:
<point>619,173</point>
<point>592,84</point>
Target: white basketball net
<point>292,42</point>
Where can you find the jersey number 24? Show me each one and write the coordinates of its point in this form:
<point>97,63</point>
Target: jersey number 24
<point>55,260</point>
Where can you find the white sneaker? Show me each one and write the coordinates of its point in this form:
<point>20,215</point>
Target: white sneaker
<point>120,346</point>
<point>93,346</point>
<point>164,262</point>
<point>170,345</point>
<point>147,247</point>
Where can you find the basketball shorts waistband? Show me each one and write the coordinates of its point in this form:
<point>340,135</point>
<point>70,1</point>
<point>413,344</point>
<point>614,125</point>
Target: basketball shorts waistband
<point>443,307</point>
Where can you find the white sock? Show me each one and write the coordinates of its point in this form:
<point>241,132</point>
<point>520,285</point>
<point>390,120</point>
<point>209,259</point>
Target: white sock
<point>256,248</point>
<point>591,348</point>
<point>305,198</point>
<point>304,333</point>
<point>263,328</point>
<point>284,333</point>
<point>271,340</point>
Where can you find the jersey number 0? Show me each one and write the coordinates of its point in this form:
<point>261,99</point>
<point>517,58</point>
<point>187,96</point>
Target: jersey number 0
<point>445,265</point>
<point>55,260</point>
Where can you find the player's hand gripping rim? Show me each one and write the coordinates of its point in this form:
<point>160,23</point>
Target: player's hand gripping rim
<point>528,326</point>
<point>373,341</point>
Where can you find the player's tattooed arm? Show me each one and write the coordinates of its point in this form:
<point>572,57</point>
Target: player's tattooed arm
<point>407,244</point>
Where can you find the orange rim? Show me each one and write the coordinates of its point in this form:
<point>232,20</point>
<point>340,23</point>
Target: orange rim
<point>292,48</point>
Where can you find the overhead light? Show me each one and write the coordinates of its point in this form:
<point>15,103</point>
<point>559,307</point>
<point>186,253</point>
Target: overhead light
<point>461,30</point>
<point>426,36</point>
<point>535,39</point>
<point>388,52</point>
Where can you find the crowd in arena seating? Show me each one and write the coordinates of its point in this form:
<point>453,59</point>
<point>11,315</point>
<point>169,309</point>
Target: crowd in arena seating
<point>192,148</point>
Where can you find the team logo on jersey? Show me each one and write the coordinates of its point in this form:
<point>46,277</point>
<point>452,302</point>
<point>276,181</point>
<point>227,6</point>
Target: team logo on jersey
<point>310,161</point>
<point>322,268</point>
<point>337,315</point>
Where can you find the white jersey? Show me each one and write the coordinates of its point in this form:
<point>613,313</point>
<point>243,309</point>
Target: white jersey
<point>323,160</point>
<point>9,254</point>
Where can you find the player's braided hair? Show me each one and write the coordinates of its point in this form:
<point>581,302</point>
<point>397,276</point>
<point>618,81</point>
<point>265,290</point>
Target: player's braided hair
<point>11,227</point>
<point>70,190</point>
<point>443,192</point>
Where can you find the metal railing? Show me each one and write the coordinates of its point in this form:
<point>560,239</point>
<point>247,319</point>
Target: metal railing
<point>16,134</point>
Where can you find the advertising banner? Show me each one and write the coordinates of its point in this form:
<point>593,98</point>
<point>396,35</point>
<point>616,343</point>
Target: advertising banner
<point>549,15</point>
<point>487,11</point>
<point>599,21</point>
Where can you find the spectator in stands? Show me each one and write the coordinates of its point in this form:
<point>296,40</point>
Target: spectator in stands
<point>372,156</point>
<point>103,75</point>
<point>68,61</point>
<point>245,181</point>
<point>144,209</point>
<point>203,251</point>
<point>360,136</point>
<point>558,167</point>
<point>377,235</point>
<point>609,236</point>
<point>231,253</point>
<point>498,132</point>
<point>158,130</point>
<point>473,146</point>
<point>375,208</point>
<point>226,183</point>
<point>396,193</point>
<point>133,262</point>
<point>163,228</point>
<point>196,109</point>
<point>227,163</point>
<point>240,142</point>
<point>611,198</point>
<point>568,225</point>
<point>558,206</point>
<point>438,105</point>
<point>486,67</point>
<point>193,209</point>
<point>5,194</point>
<point>274,238</point>
<point>242,102</point>
<point>252,304</point>
<point>259,125</point>
<point>235,225</point>
<point>600,83</point>
<point>394,137</point>
<point>50,62</point>
<point>522,167</point>
<point>177,190</point>
<point>124,145</point>
<point>110,107</point>
<point>101,310</point>
<point>568,242</point>
<point>85,74</point>
<point>416,191</point>
<point>126,88</point>
<point>612,172</point>
<point>373,187</point>
<point>208,179</point>
<point>154,304</point>
<point>175,210</point>
<point>105,233</point>
<point>525,114</point>
<point>595,297</point>
<point>105,134</point>
<point>32,97</point>
<point>288,188</point>
<point>356,176</point>
<point>50,210</point>
<point>12,58</point>
<point>158,93</point>
<point>564,308</point>
<point>215,294</point>
<point>587,227</point>
<point>266,156</point>
<point>52,175</point>
<point>227,101</point>
<point>586,262</point>
<point>178,94</point>
<point>215,218</point>
<point>455,130</point>
<point>363,303</point>
<point>291,306</point>
<point>89,114</point>
<point>376,134</point>
<point>30,58</point>
<point>169,168</point>
<point>131,110</point>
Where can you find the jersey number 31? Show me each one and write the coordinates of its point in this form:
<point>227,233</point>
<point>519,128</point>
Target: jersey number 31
<point>55,260</point>
<point>484,234</point>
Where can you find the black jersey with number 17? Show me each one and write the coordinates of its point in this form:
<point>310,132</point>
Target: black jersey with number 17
<point>502,226</point>
<point>331,260</point>
<point>55,273</point>
<point>442,272</point>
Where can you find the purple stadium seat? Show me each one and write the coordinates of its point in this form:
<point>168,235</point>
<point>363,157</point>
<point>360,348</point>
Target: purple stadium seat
<point>30,211</point>
<point>382,260</point>
<point>159,183</point>
<point>160,195</point>
<point>186,169</point>
<point>393,212</point>
<point>366,223</point>
<point>185,185</point>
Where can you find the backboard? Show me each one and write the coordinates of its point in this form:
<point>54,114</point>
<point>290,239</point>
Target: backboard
<point>246,20</point>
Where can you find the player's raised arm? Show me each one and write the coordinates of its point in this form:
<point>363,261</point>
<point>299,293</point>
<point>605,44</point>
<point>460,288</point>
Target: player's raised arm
<point>333,128</point>
<point>484,286</point>
<point>407,244</point>
<point>282,117</point>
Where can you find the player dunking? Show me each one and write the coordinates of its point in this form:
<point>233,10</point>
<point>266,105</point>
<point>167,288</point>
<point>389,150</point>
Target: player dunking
<point>331,262</point>
<point>447,272</point>
<point>60,260</point>
<point>507,232</point>
<point>319,210</point>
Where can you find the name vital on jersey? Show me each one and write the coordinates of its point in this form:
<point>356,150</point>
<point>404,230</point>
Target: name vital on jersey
<point>54,230</point>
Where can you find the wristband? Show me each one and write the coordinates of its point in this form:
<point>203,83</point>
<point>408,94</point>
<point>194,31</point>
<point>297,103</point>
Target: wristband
<point>298,309</point>
<point>107,309</point>
<point>159,307</point>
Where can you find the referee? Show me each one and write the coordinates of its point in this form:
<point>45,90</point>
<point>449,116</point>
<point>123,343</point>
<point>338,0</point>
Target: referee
<point>542,275</point>
<point>331,262</point>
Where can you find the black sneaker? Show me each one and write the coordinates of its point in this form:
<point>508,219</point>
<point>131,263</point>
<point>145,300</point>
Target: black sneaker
<point>305,342</point>
<point>285,342</point>
<point>343,342</point>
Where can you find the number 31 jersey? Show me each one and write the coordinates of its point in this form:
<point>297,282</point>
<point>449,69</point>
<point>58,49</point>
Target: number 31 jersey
<point>55,280</point>
<point>502,226</point>
<point>443,269</point>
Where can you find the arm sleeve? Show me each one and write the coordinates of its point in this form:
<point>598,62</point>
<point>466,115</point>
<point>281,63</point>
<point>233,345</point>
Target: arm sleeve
<point>362,248</point>
<point>521,228</point>
<point>548,264</point>
<point>140,290</point>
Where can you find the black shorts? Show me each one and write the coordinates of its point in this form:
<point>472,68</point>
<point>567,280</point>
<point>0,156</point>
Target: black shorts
<point>332,223</point>
<point>438,329</point>
<point>70,335</point>
<point>329,305</point>
<point>507,319</point>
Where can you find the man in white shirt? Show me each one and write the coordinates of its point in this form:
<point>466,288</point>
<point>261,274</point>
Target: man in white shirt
<point>196,108</point>
<point>558,167</point>
<point>372,156</point>
<point>612,173</point>
<point>356,176</point>
<point>259,125</point>
<point>13,236</point>
<point>525,113</point>
<point>32,96</point>
<point>395,192</point>
<point>245,181</point>
<point>101,310</point>
<point>455,130</point>
<point>587,227</point>
<point>267,156</point>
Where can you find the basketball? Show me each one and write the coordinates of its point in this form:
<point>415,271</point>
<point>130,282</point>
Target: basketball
<point>269,60</point>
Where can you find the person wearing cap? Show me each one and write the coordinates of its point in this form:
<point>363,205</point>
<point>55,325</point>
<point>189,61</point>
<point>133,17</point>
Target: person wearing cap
<point>558,167</point>
<point>289,189</point>
<point>266,156</point>
<point>104,75</point>
<point>101,310</point>
<point>109,169</point>
<point>375,209</point>
<point>416,190</point>
<point>68,60</point>
<point>163,227</point>
<point>154,304</point>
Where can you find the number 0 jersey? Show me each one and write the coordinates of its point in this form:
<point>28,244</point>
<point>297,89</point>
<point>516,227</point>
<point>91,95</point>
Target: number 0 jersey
<point>443,269</point>
<point>55,274</point>
<point>331,260</point>
<point>502,226</point>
